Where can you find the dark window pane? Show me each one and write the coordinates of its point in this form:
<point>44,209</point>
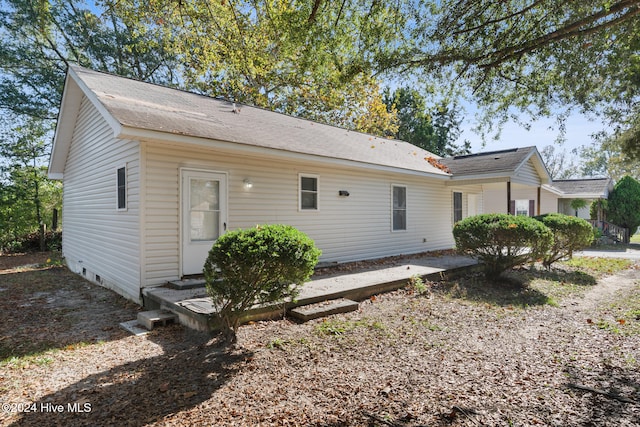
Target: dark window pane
<point>122,188</point>
<point>457,206</point>
<point>399,208</point>
<point>309,200</point>
<point>309,184</point>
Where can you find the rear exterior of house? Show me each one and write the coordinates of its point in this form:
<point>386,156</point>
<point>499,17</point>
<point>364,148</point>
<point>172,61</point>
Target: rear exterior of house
<point>144,202</point>
<point>346,228</point>
<point>153,176</point>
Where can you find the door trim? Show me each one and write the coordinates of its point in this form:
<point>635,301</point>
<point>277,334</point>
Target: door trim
<point>181,213</point>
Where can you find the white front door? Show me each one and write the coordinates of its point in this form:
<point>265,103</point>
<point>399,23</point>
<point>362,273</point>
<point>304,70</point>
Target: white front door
<point>204,196</point>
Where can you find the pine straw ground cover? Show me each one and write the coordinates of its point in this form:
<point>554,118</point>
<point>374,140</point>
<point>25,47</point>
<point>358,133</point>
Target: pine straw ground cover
<point>553,348</point>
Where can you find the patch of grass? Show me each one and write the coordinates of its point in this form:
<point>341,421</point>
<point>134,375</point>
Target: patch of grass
<point>36,352</point>
<point>531,287</point>
<point>599,266</point>
<point>416,283</point>
<point>608,326</point>
<point>277,344</point>
<point>11,351</point>
<point>426,323</point>
<point>635,238</point>
<point>43,358</point>
<point>626,310</point>
<point>337,327</point>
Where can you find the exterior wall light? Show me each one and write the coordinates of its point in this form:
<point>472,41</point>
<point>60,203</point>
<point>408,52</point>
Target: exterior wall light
<point>343,193</point>
<point>247,184</point>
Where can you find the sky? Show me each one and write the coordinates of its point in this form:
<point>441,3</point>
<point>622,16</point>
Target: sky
<point>542,133</point>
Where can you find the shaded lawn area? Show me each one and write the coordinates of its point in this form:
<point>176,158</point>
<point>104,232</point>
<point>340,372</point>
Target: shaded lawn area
<point>44,306</point>
<point>535,286</point>
<point>455,353</point>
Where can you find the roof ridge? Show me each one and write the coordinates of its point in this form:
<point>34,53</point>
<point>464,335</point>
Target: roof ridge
<point>581,179</point>
<point>243,105</point>
<point>491,153</point>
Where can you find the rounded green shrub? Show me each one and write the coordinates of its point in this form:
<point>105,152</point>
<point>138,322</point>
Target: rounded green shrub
<point>570,234</point>
<point>502,241</point>
<point>247,267</point>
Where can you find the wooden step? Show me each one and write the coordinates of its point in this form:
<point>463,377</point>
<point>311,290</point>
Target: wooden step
<point>322,309</point>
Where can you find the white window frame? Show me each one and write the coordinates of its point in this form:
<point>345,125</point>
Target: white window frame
<point>126,188</point>
<point>522,202</point>
<point>393,209</point>
<point>316,192</point>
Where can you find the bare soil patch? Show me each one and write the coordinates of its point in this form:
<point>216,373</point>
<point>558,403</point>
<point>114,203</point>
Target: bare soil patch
<point>453,356</point>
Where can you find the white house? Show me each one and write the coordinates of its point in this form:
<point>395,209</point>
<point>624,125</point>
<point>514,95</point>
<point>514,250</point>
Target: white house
<point>506,181</point>
<point>588,189</point>
<point>153,175</point>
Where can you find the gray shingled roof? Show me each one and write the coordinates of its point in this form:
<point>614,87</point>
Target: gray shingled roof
<point>146,106</point>
<point>583,186</point>
<point>504,161</point>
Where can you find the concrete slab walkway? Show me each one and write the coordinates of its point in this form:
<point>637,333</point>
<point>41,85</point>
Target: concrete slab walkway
<point>623,251</point>
<point>193,307</point>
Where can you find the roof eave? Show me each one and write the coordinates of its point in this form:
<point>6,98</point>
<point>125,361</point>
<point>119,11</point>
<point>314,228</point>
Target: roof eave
<point>483,178</point>
<point>73,92</point>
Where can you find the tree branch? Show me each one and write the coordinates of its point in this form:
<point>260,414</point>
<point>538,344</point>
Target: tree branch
<point>497,20</point>
<point>566,32</point>
<point>314,11</point>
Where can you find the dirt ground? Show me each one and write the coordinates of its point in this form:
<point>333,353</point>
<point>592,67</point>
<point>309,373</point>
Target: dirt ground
<point>458,354</point>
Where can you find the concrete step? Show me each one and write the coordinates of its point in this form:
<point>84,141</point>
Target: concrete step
<point>133,327</point>
<point>323,309</point>
<point>151,319</point>
<point>191,283</point>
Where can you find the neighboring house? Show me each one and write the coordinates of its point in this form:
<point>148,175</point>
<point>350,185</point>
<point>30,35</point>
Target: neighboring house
<point>588,189</point>
<point>153,175</point>
<point>506,181</point>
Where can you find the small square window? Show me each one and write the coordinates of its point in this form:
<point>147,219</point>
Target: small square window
<point>122,188</point>
<point>308,192</point>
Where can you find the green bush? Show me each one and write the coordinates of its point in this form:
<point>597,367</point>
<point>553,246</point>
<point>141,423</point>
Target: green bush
<point>598,205</point>
<point>570,234</point>
<point>624,204</point>
<point>30,242</point>
<point>502,241</point>
<point>261,265</point>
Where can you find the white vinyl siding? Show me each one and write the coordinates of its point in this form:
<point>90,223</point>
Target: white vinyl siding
<point>472,201</point>
<point>98,238</point>
<point>346,228</point>
<point>548,202</point>
<point>495,196</point>
<point>527,174</point>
